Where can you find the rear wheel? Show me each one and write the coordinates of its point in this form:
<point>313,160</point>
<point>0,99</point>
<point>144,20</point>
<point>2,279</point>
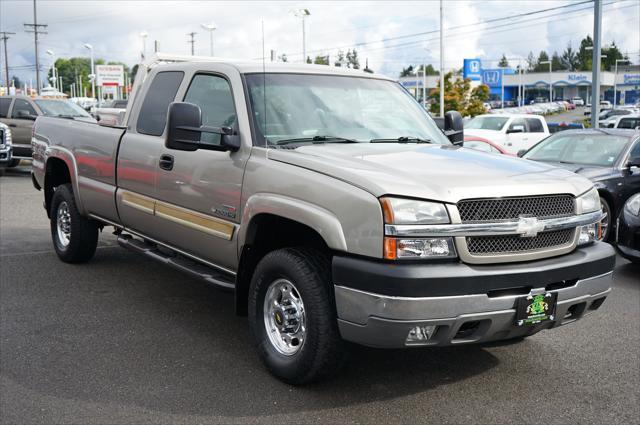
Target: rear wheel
<point>74,237</point>
<point>292,315</point>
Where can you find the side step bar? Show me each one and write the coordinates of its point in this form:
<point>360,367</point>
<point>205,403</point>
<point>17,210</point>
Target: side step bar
<point>208,274</point>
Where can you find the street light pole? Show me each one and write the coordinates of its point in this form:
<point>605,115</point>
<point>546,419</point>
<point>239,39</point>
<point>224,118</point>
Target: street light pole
<point>441,61</point>
<point>53,69</point>
<point>303,13</point>
<point>143,35</point>
<point>615,81</point>
<point>211,28</point>
<point>93,72</point>
<point>550,77</point>
<point>595,78</point>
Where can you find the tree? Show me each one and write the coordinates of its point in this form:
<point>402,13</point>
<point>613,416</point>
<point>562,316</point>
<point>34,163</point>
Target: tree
<point>459,96</point>
<point>17,82</point>
<point>569,59</point>
<point>309,59</point>
<point>366,67</point>
<point>612,54</point>
<point>352,59</point>
<point>542,57</point>
<point>531,62</point>
<point>556,62</point>
<point>584,56</point>
<point>283,58</point>
<point>504,63</point>
<point>430,70</point>
<point>321,60</point>
<point>406,72</point>
<point>341,60</point>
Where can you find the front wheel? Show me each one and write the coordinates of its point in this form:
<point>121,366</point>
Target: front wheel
<point>74,237</point>
<point>606,221</point>
<point>292,315</point>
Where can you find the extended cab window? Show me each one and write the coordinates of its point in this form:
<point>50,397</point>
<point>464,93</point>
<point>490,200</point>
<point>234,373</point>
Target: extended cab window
<point>212,94</point>
<point>21,105</point>
<point>535,125</point>
<point>517,122</point>
<point>162,91</point>
<point>4,107</point>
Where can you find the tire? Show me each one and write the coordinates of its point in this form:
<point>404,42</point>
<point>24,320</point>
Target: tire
<point>321,352</point>
<point>607,223</point>
<point>13,163</point>
<point>76,237</point>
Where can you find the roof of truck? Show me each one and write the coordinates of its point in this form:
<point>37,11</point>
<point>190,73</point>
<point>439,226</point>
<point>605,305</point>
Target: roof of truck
<point>245,66</point>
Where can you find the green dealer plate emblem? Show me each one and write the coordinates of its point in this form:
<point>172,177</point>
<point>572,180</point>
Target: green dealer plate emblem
<point>535,309</point>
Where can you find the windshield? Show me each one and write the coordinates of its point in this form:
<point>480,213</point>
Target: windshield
<point>584,149</point>
<point>487,123</point>
<point>57,108</point>
<point>321,107</point>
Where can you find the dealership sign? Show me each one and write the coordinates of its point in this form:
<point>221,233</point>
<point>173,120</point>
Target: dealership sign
<point>577,77</point>
<point>472,69</point>
<point>492,77</point>
<point>110,75</point>
<point>632,78</point>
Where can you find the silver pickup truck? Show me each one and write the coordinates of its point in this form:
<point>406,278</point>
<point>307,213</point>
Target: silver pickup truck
<point>331,204</point>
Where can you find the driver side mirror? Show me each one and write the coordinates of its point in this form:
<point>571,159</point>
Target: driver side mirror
<point>185,130</point>
<point>516,129</point>
<point>25,115</point>
<point>521,153</point>
<point>454,128</point>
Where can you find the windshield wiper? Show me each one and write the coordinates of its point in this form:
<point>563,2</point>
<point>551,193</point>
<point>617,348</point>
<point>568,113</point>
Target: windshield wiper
<point>402,139</point>
<point>315,139</point>
<point>69,116</point>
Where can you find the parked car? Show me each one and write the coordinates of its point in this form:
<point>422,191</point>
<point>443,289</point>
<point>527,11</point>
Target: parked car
<point>555,127</point>
<point>605,104</point>
<point>484,145</point>
<point>19,113</point>
<point>6,149</point>
<point>110,113</point>
<point>630,122</point>
<point>578,101</point>
<point>628,230</point>
<point>332,206</point>
<point>609,116</point>
<point>608,157</point>
<point>512,132</point>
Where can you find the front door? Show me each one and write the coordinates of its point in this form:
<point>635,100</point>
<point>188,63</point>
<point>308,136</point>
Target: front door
<point>516,141</point>
<point>21,126</point>
<point>199,197</point>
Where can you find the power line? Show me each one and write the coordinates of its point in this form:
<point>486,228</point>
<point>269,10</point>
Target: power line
<point>4,38</point>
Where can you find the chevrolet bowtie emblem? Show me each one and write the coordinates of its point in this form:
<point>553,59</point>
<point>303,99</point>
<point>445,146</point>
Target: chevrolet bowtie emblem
<point>529,227</point>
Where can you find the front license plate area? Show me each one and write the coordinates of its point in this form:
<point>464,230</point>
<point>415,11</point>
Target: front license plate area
<point>534,309</point>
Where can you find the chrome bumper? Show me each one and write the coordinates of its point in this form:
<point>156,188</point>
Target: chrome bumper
<point>385,321</point>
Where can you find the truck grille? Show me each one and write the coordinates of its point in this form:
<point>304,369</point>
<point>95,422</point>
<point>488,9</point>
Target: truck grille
<point>492,245</point>
<point>501,209</point>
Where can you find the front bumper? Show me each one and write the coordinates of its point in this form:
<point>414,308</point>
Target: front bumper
<point>5,154</point>
<point>485,312</point>
<point>628,235</point>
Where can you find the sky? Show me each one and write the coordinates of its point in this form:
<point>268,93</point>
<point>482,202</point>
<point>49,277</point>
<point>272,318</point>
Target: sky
<point>390,34</point>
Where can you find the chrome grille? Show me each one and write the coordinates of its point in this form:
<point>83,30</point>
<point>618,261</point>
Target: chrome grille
<point>482,210</point>
<point>491,245</point>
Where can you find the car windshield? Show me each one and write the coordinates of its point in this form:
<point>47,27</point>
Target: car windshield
<point>323,108</point>
<point>583,149</point>
<point>487,123</point>
<point>58,108</point>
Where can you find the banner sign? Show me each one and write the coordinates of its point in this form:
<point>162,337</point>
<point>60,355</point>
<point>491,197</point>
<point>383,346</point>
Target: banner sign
<point>472,69</point>
<point>110,75</point>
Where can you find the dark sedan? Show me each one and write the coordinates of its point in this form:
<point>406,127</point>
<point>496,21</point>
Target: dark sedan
<point>628,230</point>
<point>609,157</point>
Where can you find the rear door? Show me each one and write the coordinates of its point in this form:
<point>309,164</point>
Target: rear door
<point>139,153</point>
<point>631,183</point>
<point>199,198</point>
<point>536,132</point>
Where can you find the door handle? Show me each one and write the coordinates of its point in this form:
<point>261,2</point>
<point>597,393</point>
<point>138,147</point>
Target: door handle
<point>13,125</point>
<point>166,162</point>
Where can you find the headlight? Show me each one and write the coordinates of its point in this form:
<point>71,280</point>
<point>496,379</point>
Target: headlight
<point>590,233</point>
<point>590,201</point>
<point>633,205</point>
<point>411,211</point>
<point>398,249</point>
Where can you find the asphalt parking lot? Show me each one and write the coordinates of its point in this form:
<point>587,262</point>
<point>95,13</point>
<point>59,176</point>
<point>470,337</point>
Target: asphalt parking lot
<point>125,340</point>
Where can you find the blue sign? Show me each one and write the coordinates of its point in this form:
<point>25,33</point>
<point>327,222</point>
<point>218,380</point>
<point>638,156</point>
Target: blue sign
<point>632,78</point>
<point>472,69</point>
<point>492,77</point>
<point>577,77</point>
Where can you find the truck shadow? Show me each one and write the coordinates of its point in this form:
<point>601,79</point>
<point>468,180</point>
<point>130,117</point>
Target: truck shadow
<point>125,330</point>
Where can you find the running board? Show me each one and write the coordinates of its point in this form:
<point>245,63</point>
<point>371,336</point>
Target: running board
<point>208,274</point>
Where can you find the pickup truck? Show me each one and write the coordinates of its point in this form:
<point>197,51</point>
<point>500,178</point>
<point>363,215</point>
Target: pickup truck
<point>514,132</point>
<point>333,207</point>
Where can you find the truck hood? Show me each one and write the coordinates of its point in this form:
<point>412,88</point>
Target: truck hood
<point>442,173</point>
<point>592,172</point>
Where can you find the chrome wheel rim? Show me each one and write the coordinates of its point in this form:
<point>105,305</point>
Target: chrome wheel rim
<point>604,223</point>
<point>284,317</point>
<point>63,224</point>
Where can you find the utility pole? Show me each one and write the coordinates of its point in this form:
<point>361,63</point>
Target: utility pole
<point>35,29</point>
<point>595,76</point>
<point>4,38</point>
<point>192,42</point>
<point>441,62</point>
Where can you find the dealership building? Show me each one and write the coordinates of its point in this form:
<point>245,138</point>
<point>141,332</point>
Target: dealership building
<point>565,85</point>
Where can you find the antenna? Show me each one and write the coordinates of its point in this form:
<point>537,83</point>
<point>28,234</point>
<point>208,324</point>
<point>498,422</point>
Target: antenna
<point>264,92</point>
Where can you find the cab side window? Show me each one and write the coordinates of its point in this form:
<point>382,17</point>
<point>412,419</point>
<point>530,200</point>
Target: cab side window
<point>517,122</point>
<point>162,91</point>
<point>212,94</point>
<point>21,106</point>
<point>535,125</point>
<point>4,107</point>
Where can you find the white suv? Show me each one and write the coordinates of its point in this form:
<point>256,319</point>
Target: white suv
<point>577,101</point>
<point>514,132</point>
